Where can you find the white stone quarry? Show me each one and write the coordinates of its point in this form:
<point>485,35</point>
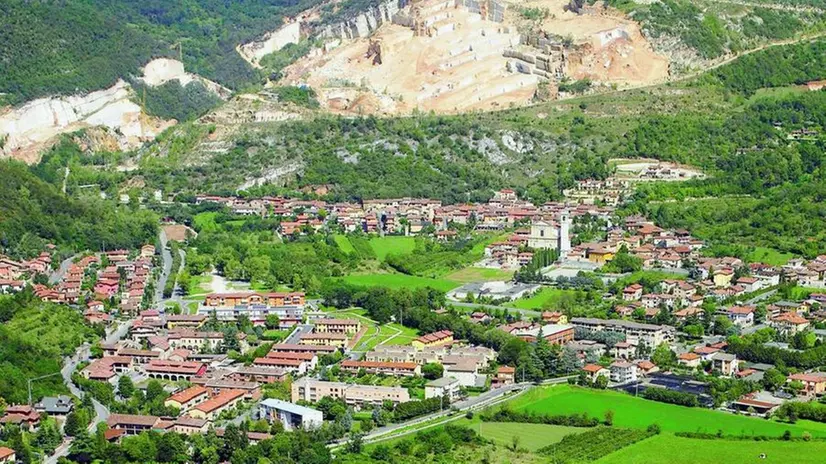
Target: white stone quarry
<point>272,42</point>
<point>29,128</point>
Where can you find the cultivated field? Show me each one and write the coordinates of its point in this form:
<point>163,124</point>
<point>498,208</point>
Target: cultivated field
<point>668,449</point>
<point>639,413</point>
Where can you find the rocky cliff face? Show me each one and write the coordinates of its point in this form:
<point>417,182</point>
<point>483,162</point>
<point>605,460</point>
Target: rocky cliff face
<point>273,41</point>
<point>366,22</point>
<point>27,130</point>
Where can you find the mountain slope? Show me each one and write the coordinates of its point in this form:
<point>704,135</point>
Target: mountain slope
<point>33,212</point>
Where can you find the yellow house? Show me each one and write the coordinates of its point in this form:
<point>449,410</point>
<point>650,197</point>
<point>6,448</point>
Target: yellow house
<point>723,277</point>
<point>600,255</point>
<point>443,337</point>
<point>212,408</point>
<point>338,340</point>
<point>188,398</point>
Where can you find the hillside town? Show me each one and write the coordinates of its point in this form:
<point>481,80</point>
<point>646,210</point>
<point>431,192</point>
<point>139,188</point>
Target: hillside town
<point>214,369</point>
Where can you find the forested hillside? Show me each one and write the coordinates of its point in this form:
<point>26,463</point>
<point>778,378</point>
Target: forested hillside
<point>81,45</point>
<point>34,212</point>
<point>34,337</point>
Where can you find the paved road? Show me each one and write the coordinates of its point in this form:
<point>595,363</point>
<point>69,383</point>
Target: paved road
<point>166,256</point>
<point>476,402</point>
<point>761,297</point>
<point>57,275</point>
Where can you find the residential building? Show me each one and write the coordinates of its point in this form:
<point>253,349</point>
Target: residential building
<point>814,384</point>
<point>22,415</point>
<point>443,337</point>
<point>312,390</point>
<point>789,323</point>
<point>623,372</point>
<point>554,317</point>
<point>650,334</point>
<point>57,406</point>
<point>689,359</point>
<point>505,375</point>
<point>594,371</point>
<point>741,315</point>
<point>7,455</point>
<point>445,386</point>
<point>343,326</point>
<point>132,424</point>
<point>213,407</point>
<point>186,399</point>
<point>291,416</point>
<point>726,363</point>
<point>406,369</point>
<point>174,371</point>
<point>256,306</point>
<point>336,340</point>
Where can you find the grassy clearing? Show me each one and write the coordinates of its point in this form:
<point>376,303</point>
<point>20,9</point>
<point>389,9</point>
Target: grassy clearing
<point>546,298</point>
<point>475,274</point>
<point>399,281</point>
<point>668,449</point>
<point>205,222</point>
<point>344,244</point>
<point>639,413</point>
<point>384,246</point>
<point>769,256</point>
<point>650,276</point>
<point>531,436</point>
<point>199,285</point>
<point>192,308</point>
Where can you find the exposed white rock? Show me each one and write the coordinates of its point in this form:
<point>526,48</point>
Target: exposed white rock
<point>273,41</point>
<point>162,70</point>
<point>26,130</point>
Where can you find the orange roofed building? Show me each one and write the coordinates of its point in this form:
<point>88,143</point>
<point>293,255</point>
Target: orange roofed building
<point>443,337</point>
<point>256,306</point>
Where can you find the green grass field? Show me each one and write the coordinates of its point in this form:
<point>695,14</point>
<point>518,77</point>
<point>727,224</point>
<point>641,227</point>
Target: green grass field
<point>205,222</point>
<point>399,281</point>
<point>769,256</point>
<point>475,274</point>
<point>383,246</point>
<point>639,413</point>
<point>531,436</point>
<point>199,285</point>
<point>546,298</point>
<point>344,244</point>
<point>668,449</point>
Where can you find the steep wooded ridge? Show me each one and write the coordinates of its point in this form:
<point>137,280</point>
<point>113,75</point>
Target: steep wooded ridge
<point>34,212</point>
<point>85,45</point>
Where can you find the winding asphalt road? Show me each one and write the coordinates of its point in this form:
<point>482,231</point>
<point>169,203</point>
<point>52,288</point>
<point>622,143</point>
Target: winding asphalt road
<point>82,354</point>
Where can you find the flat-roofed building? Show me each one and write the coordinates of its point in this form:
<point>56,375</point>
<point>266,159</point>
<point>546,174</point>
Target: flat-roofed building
<point>445,386</point>
<point>291,416</point>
